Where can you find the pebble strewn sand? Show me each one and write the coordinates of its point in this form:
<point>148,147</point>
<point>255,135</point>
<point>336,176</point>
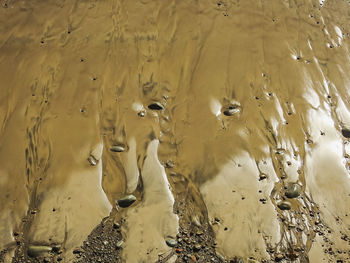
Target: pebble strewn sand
<point>222,127</point>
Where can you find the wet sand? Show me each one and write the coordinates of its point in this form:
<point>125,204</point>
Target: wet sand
<point>174,131</point>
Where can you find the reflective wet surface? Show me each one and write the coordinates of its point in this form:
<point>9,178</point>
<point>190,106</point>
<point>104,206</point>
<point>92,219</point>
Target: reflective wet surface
<point>174,131</point>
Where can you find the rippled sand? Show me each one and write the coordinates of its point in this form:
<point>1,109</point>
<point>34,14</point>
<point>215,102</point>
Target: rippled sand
<point>207,112</point>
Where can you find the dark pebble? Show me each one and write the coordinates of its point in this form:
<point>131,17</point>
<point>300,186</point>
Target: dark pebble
<point>126,201</point>
<point>156,106</point>
<point>346,133</point>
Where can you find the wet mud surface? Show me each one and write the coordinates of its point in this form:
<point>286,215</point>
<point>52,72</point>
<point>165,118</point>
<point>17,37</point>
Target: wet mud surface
<point>174,131</point>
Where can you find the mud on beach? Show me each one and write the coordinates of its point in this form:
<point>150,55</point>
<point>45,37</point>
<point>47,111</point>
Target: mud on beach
<point>174,131</point>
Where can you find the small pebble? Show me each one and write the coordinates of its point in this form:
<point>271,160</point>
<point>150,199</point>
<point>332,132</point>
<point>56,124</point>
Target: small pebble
<point>77,251</point>
<point>156,106</point>
<point>169,164</point>
<point>195,220</point>
<point>231,110</point>
<point>197,247</point>
<point>126,201</point>
<point>199,233</point>
<point>171,242</point>
<point>262,176</point>
<point>293,191</point>
<point>117,148</point>
<point>92,160</point>
<point>120,244</point>
<point>284,205</point>
<point>141,114</point>
<point>279,257</point>
<point>35,251</point>
<point>179,250</point>
<point>56,248</point>
<point>345,132</point>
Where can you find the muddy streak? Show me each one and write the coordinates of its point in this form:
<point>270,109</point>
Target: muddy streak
<point>238,100</point>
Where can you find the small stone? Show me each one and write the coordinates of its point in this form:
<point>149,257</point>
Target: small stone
<point>221,257</point>
<point>197,247</point>
<point>156,106</point>
<point>77,251</point>
<point>92,160</point>
<point>105,242</point>
<point>293,191</point>
<point>262,176</point>
<point>120,244</point>
<point>178,250</point>
<point>291,225</point>
<point>141,113</point>
<point>169,164</point>
<point>280,151</point>
<point>231,110</point>
<point>117,148</point>
<point>345,132</point>
<point>56,248</point>
<point>284,205</point>
<point>263,200</point>
<point>126,201</point>
<point>279,257</point>
<point>300,229</point>
<point>171,242</point>
<point>195,220</point>
<point>35,251</point>
<point>199,233</point>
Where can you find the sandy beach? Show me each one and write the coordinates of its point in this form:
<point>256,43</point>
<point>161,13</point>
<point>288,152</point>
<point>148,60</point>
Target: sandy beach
<point>146,131</point>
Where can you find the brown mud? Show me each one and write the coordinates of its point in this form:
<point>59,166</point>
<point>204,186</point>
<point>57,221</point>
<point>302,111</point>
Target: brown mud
<point>174,131</point>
